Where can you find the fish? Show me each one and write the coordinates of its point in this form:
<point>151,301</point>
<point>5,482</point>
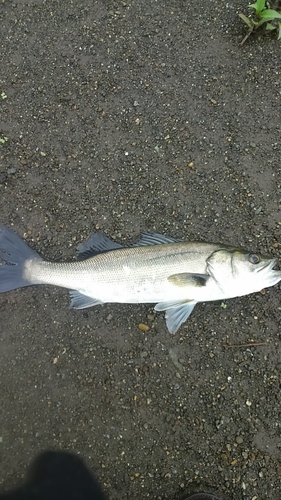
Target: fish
<point>166,271</point>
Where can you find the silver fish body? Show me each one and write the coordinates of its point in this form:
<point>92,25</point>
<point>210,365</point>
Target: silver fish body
<point>171,273</point>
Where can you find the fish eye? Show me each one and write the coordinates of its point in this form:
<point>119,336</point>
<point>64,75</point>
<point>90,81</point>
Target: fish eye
<point>254,258</point>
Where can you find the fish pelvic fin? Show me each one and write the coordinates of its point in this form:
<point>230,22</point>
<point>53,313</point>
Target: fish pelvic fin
<point>14,252</point>
<point>176,312</point>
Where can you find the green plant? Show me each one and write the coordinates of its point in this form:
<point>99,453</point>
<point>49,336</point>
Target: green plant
<point>262,15</point>
<point>3,95</point>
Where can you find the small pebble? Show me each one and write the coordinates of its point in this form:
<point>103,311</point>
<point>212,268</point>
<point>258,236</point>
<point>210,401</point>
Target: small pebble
<point>151,317</point>
<point>143,327</point>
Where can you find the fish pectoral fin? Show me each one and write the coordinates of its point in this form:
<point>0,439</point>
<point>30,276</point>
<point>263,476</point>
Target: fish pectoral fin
<point>95,244</point>
<point>176,312</point>
<point>189,279</point>
<point>154,239</point>
<point>81,301</point>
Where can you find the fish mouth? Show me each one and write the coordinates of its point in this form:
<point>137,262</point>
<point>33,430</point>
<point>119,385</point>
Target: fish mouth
<point>269,275</point>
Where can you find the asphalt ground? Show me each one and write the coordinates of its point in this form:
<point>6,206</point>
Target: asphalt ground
<point>128,117</point>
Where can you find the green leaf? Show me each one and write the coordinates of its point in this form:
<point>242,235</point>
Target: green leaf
<point>246,20</point>
<point>270,27</point>
<point>258,6</point>
<point>269,15</point>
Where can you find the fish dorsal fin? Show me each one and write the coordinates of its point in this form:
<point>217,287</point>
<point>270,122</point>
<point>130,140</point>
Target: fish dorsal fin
<point>177,312</point>
<point>154,239</point>
<point>188,279</point>
<point>95,244</point>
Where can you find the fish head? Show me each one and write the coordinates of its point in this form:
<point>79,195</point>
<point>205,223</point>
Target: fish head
<point>238,272</point>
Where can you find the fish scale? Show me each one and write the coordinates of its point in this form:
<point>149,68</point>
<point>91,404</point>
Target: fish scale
<point>134,274</point>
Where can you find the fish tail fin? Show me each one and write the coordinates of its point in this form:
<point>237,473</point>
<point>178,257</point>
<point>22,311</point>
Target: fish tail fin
<point>14,252</point>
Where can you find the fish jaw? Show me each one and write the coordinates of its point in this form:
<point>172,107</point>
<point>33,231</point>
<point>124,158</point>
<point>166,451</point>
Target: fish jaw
<point>269,276</point>
<point>263,276</point>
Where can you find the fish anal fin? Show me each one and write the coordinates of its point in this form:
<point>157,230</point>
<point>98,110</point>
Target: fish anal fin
<point>188,279</point>
<point>81,301</point>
